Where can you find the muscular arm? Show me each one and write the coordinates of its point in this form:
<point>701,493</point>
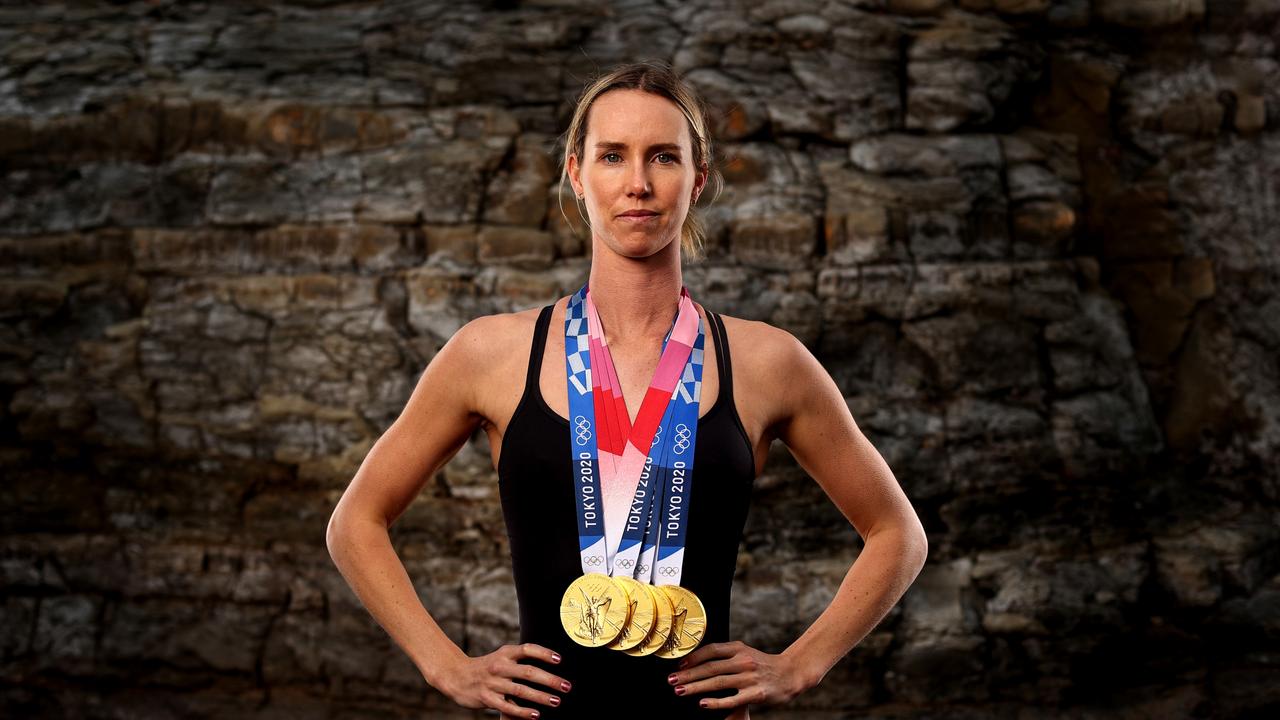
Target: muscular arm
<point>454,396</point>
<point>794,399</point>
<point>818,429</point>
<point>435,423</point>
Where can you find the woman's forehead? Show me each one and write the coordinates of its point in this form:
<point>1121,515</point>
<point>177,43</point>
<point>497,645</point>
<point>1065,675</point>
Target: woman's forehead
<point>633,117</point>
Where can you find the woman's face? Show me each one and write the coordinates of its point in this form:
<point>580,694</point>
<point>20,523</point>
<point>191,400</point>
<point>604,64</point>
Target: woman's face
<point>637,156</point>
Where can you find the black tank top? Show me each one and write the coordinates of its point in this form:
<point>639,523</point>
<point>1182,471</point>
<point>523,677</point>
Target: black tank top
<point>535,481</point>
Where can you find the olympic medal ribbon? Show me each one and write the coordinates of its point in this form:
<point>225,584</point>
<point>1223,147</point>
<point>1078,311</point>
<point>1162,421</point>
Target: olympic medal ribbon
<point>676,471</point>
<point>611,400</point>
<point>598,609</point>
<point>582,438</point>
<point>689,615</point>
<point>626,560</point>
<point>619,484</point>
<point>589,418</point>
<point>611,439</point>
<point>661,470</point>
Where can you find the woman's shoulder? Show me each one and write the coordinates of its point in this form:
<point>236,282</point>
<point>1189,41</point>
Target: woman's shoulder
<point>489,353</point>
<point>765,342</point>
<point>498,331</point>
<point>494,336</point>
<point>770,366</point>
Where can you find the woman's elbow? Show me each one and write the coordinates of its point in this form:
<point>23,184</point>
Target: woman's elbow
<point>333,532</point>
<point>918,542</point>
<point>338,531</point>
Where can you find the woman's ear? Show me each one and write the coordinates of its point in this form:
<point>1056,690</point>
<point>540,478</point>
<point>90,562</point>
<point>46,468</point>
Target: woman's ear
<point>699,182</point>
<point>572,168</point>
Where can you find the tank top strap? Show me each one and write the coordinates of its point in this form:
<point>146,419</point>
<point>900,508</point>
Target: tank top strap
<point>724,363</point>
<point>536,351</point>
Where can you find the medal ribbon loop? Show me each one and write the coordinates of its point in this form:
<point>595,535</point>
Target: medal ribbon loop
<point>632,480</point>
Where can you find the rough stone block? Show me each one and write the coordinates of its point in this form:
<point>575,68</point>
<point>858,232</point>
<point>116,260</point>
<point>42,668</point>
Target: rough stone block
<point>523,247</point>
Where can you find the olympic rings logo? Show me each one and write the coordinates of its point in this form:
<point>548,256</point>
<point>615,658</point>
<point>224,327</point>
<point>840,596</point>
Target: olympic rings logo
<point>657,435</point>
<point>682,438</point>
<point>594,560</point>
<point>625,563</point>
<point>583,428</point>
<point>642,569</point>
<point>668,571</point>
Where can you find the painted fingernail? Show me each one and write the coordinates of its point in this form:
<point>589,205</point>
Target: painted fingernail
<point>565,685</point>
<point>534,715</point>
<point>555,701</point>
<point>671,678</point>
<point>679,689</point>
<point>702,703</point>
<point>555,657</point>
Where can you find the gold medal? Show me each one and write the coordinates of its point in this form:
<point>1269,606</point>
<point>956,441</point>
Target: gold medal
<point>594,609</point>
<point>661,623</point>
<point>688,622</point>
<point>643,615</point>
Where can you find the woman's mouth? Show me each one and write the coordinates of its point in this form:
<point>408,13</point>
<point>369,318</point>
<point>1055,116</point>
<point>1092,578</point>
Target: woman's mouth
<point>638,217</point>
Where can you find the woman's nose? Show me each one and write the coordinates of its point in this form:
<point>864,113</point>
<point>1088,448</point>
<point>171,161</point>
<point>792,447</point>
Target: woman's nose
<point>639,183</point>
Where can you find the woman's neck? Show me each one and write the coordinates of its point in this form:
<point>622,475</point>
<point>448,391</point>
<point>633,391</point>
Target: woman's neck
<point>636,298</point>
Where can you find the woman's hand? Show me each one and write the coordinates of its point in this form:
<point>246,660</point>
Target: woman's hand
<point>761,678</point>
<point>485,681</point>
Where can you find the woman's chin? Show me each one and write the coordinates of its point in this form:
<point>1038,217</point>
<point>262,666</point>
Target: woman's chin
<point>637,244</point>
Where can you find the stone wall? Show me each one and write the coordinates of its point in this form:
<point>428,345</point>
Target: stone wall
<point>1034,241</point>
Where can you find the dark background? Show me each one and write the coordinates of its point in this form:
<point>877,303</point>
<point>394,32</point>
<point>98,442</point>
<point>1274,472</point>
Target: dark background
<point>1034,242</point>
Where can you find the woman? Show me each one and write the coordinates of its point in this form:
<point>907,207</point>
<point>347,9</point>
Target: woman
<point>638,156</point>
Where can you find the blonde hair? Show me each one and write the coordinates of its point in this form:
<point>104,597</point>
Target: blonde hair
<point>659,79</point>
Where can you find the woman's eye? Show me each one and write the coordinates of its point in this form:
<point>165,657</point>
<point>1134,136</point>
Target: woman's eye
<point>673,158</point>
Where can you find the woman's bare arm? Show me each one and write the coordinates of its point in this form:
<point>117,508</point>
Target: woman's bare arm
<point>821,434</point>
<point>435,423</point>
<point>803,407</point>
<point>441,414</point>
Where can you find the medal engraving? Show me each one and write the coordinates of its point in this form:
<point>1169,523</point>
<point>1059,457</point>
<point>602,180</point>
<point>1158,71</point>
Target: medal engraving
<point>593,610</point>
<point>640,623</point>
<point>661,625</point>
<point>688,622</point>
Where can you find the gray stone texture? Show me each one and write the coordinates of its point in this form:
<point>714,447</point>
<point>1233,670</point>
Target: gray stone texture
<point>1035,242</point>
